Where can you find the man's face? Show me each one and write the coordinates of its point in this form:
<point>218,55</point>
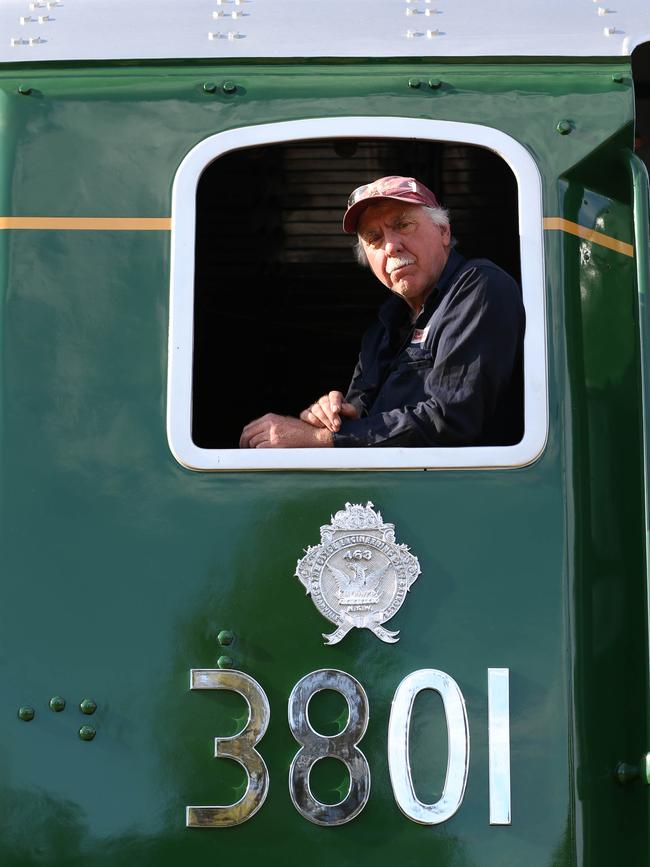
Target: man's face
<point>405,249</point>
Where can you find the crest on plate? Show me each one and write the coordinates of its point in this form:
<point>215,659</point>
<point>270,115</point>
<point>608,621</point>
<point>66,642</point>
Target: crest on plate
<point>358,575</point>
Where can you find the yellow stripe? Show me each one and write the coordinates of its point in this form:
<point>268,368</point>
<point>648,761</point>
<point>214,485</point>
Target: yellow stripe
<point>163,224</point>
<point>112,224</point>
<point>589,235</point>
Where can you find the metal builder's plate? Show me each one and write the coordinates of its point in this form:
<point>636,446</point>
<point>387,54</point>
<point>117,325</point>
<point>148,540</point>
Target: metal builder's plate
<point>359,575</point>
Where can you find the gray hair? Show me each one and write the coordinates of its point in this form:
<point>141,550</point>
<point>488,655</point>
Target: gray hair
<point>439,217</point>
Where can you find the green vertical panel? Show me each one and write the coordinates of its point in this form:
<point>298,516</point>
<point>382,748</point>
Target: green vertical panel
<point>608,548</point>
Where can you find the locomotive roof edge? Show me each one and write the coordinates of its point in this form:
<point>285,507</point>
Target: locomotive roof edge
<point>104,30</point>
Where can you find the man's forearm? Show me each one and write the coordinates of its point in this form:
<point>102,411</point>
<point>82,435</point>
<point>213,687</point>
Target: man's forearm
<point>273,431</point>
<point>323,437</point>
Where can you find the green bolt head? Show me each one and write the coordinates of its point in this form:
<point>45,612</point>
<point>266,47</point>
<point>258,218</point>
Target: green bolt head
<point>435,83</point>
<point>618,77</point>
<point>87,733</point>
<point>88,706</point>
<point>57,703</point>
<point>626,773</point>
<point>229,87</point>
<point>225,662</point>
<point>414,83</point>
<point>225,637</point>
<point>24,89</point>
<point>209,86</point>
<point>564,127</point>
<point>26,713</point>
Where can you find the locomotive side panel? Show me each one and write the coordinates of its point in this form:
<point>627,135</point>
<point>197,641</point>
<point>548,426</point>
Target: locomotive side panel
<point>120,567</point>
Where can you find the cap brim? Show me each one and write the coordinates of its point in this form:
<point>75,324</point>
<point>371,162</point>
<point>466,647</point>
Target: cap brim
<point>353,215</point>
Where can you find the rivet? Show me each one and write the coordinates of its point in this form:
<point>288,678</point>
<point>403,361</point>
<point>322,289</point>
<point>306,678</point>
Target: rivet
<point>564,127</point>
<point>618,77</point>
<point>414,83</point>
<point>26,713</point>
<point>225,662</point>
<point>57,703</point>
<point>87,733</point>
<point>87,706</point>
<point>24,89</point>
<point>435,83</point>
<point>229,87</point>
<point>626,773</point>
<point>225,637</point>
<point>209,86</point>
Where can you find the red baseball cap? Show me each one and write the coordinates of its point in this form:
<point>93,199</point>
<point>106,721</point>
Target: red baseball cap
<point>392,187</point>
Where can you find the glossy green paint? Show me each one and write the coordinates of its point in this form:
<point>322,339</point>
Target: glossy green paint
<point>605,455</point>
<point>142,564</point>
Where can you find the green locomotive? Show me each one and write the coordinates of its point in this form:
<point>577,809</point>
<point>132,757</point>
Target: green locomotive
<point>172,178</point>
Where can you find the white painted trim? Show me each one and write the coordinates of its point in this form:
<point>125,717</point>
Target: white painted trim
<point>179,396</point>
<point>99,30</point>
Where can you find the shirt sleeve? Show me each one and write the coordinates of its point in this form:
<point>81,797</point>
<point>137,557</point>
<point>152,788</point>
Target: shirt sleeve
<point>361,393</point>
<point>473,353</point>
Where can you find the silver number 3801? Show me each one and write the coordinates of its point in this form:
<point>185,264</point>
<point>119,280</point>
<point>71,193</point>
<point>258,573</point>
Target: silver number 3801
<point>345,747</point>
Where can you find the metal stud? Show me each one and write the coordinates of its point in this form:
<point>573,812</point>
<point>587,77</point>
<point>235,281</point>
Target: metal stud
<point>225,637</point>
<point>209,87</point>
<point>26,713</point>
<point>626,773</point>
<point>57,704</point>
<point>87,733</point>
<point>414,83</point>
<point>24,89</point>
<point>229,87</point>
<point>564,127</point>
<point>88,706</point>
<point>225,662</point>
<point>435,83</point>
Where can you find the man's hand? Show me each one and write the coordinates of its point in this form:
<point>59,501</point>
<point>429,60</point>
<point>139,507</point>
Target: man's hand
<point>273,431</point>
<point>326,412</point>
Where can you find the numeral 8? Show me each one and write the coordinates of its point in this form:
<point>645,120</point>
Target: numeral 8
<point>342,746</point>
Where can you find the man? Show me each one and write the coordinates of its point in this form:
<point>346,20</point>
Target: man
<point>443,364</point>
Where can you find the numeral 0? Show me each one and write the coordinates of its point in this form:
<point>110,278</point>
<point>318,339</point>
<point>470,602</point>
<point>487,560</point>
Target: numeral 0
<point>457,746</point>
<point>344,746</point>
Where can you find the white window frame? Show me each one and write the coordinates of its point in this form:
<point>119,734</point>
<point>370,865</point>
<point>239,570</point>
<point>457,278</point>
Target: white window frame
<point>181,327</point>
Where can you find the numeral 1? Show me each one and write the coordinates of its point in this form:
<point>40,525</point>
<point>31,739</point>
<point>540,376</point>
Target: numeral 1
<point>499,744</point>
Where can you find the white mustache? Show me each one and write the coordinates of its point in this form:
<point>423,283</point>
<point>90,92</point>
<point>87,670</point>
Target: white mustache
<point>394,264</point>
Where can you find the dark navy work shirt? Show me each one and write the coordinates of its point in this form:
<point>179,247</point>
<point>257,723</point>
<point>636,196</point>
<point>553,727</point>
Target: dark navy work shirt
<point>452,378</point>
